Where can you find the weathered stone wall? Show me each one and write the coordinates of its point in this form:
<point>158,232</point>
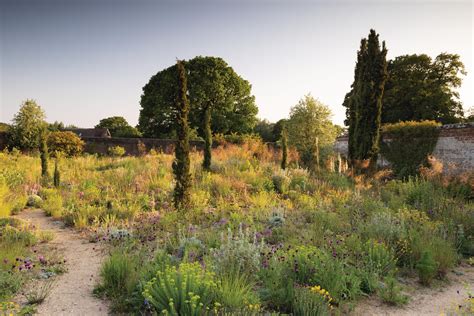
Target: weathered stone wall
<point>455,147</point>
<point>100,145</point>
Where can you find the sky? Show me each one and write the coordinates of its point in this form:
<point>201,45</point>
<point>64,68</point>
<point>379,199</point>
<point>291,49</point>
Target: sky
<point>86,60</point>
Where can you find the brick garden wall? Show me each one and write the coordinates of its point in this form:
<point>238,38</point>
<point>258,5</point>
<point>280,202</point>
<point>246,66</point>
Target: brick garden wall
<point>455,147</point>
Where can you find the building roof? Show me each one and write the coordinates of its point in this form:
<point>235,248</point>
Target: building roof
<point>90,132</point>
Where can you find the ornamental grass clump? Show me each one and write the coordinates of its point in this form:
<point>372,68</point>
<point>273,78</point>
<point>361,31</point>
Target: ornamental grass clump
<point>184,290</point>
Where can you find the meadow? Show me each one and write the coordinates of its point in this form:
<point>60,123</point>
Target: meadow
<point>256,240</point>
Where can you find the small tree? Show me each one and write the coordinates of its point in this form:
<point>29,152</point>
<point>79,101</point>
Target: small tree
<point>66,143</point>
<point>44,156</point>
<point>57,174</point>
<point>310,130</point>
<point>181,165</point>
<point>284,148</point>
<point>27,126</point>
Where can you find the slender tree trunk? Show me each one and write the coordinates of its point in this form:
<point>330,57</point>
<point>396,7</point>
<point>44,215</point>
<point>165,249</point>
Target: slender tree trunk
<point>44,156</point>
<point>206,164</point>
<point>284,148</point>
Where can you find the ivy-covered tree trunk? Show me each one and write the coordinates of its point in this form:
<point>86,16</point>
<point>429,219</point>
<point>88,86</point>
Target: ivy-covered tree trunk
<point>44,156</point>
<point>207,139</point>
<point>364,101</point>
<point>284,148</point>
<point>181,165</point>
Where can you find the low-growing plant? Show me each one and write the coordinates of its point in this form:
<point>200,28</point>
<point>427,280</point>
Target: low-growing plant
<point>40,292</point>
<point>116,151</point>
<point>426,268</point>
<point>184,290</point>
<point>240,253</point>
<point>391,293</point>
<point>311,301</point>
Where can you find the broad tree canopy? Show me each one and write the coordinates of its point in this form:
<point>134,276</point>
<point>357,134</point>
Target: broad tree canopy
<point>211,83</point>
<point>118,127</point>
<point>419,88</point>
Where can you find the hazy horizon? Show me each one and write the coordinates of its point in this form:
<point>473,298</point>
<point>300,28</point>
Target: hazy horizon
<point>86,60</point>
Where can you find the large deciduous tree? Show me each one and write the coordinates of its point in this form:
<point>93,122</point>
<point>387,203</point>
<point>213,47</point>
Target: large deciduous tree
<point>419,88</point>
<point>212,84</point>
<point>27,127</point>
<point>181,165</point>
<point>364,101</point>
<point>118,127</point>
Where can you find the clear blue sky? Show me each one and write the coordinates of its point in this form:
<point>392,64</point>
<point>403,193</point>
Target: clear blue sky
<point>86,60</point>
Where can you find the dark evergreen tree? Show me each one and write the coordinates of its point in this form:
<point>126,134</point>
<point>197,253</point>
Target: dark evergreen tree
<point>206,164</point>
<point>44,155</point>
<point>57,174</point>
<point>364,101</point>
<point>181,165</point>
<point>284,148</point>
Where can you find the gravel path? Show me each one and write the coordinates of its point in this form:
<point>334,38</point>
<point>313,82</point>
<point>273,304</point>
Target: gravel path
<point>438,300</point>
<point>72,293</point>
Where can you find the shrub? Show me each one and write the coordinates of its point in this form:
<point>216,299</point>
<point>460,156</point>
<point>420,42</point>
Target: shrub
<point>118,275</point>
<point>186,290</point>
<point>391,293</point>
<point>34,201</point>
<point>236,291</point>
<point>281,183</point>
<point>240,253</point>
<point>311,301</point>
<point>64,143</point>
<point>116,151</point>
<point>409,146</point>
<point>52,202</point>
<point>427,268</point>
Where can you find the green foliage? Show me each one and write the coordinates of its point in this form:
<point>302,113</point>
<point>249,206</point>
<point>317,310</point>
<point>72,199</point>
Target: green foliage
<point>34,201</point>
<point>118,127</point>
<point>57,174</point>
<point>27,126</point>
<point>118,275</point>
<point>308,303</point>
<point>206,164</point>
<point>419,88</point>
<point>44,155</point>
<point>186,290</point>
<point>10,283</point>
<point>364,101</point>
<point>212,83</point>
<point>426,268</point>
<point>407,145</point>
<point>284,148</point>
<point>181,165</point>
<point>264,129</point>
<point>310,130</point>
<point>391,292</point>
<point>238,253</point>
<point>52,203</point>
<point>65,143</point>
<point>116,151</point>
<point>236,291</point>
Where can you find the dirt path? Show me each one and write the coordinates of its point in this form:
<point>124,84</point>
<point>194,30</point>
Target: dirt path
<point>72,293</point>
<point>443,299</point>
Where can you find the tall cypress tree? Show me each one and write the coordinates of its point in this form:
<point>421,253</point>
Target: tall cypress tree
<point>181,165</point>
<point>44,155</point>
<point>364,101</point>
<point>206,164</point>
<point>284,148</point>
